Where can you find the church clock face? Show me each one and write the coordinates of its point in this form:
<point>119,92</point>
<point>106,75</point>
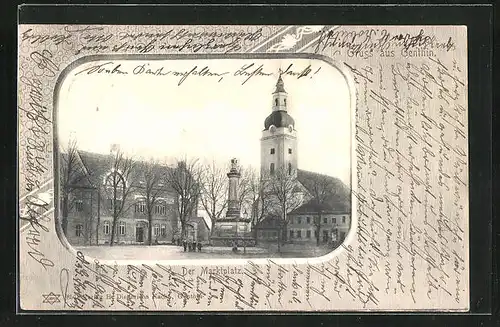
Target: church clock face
<point>272,129</point>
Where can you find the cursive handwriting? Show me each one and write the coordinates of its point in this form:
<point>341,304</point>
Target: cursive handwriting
<point>246,72</point>
<point>362,43</point>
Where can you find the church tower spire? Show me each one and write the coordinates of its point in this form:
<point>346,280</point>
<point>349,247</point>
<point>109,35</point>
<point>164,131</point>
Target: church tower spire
<point>279,138</point>
<point>280,96</point>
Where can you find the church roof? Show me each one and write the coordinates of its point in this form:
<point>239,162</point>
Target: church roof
<point>338,197</point>
<point>312,207</point>
<point>279,118</point>
<point>280,85</point>
<point>269,222</point>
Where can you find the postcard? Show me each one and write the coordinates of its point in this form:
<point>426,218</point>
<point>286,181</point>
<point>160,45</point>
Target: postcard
<point>255,168</point>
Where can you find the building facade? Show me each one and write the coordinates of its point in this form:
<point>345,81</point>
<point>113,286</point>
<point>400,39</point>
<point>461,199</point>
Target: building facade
<point>268,229</point>
<point>309,221</point>
<point>90,208</point>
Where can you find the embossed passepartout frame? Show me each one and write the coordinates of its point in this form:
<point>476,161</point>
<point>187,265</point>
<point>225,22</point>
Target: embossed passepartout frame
<point>62,289</point>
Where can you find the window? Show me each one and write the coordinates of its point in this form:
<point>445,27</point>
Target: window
<point>79,206</point>
<point>163,230</point>
<point>79,230</point>
<point>156,230</point>
<point>334,220</point>
<point>291,233</point>
<point>343,219</point>
<point>275,101</point>
<point>118,204</point>
<point>289,151</point>
<point>299,234</point>
<point>160,209</point>
<point>121,228</point>
<point>299,220</point>
<point>272,151</point>
<point>325,220</point>
<point>308,234</point>
<point>275,234</point>
<point>271,168</point>
<point>315,233</point>
<point>308,220</point>
<point>106,228</point>
<point>140,207</point>
<point>342,236</point>
<point>289,168</point>
<point>284,101</point>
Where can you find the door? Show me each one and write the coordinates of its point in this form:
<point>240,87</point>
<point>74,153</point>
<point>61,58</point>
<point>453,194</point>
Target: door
<point>139,234</point>
<point>325,236</point>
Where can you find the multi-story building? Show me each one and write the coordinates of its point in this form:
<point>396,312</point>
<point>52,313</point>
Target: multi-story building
<point>91,203</point>
<point>267,230</point>
<point>310,221</point>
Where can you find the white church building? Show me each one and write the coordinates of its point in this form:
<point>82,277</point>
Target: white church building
<point>328,221</point>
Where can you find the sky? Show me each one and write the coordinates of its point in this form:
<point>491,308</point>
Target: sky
<point>216,116</point>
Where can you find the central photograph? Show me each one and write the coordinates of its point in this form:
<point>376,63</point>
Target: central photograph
<point>168,159</point>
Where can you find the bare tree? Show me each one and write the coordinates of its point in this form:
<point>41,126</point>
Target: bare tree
<point>248,180</point>
<point>253,195</point>
<point>185,181</point>
<point>282,188</point>
<point>118,186</point>
<point>214,184</point>
<point>71,174</point>
<point>152,187</point>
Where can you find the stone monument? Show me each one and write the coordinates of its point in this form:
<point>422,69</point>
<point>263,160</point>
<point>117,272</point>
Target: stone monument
<point>233,229</point>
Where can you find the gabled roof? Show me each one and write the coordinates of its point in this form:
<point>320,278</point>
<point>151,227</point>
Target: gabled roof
<point>96,166</point>
<point>312,207</point>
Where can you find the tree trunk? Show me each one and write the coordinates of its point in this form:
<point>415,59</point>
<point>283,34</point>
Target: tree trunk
<point>98,218</point>
<point>64,220</point>
<point>279,239</point>
<point>183,231</point>
<point>113,226</point>
<point>254,231</point>
<point>150,228</point>
<point>318,230</point>
<point>90,228</point>
<point>212,229</point>
<point>283,232</point>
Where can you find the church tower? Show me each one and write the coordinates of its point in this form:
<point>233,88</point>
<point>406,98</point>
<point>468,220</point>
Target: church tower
<point>278,145</point>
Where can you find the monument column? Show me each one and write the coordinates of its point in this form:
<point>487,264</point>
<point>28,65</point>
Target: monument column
<point>233,208</point>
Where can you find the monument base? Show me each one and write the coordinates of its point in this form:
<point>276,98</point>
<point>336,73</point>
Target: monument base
<point>231,232</point>
<point>231,242</point>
